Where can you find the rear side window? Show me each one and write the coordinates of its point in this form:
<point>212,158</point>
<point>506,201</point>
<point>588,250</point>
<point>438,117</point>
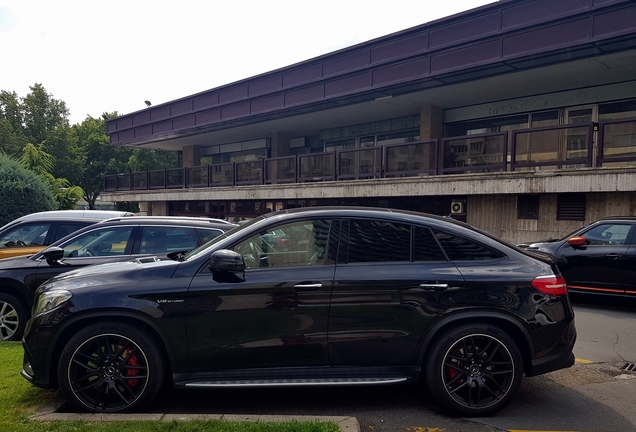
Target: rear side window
<point>462,249</point>
<point>426,247</point>
<point>376,241</point>
<point>64,229</point>
<point>166,239</point>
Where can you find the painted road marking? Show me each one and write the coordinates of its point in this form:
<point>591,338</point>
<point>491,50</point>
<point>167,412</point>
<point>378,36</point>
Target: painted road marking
<point>583,361</point>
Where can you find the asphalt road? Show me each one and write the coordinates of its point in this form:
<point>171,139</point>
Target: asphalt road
<point>594,395</point>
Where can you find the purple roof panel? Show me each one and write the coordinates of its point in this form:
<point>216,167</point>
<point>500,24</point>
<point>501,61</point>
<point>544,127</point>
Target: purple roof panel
<point>233,94</point>
<point>399,48</point>
<point>414,69</point>
<point>615,22</point>
<point>470,56</point>
<point>267,85</point>
<point>470,29</point>
<point>302,75</point>
<point>304,95</point>
<point>181,107</point>
<point>539,11</point>
<point>207,117</point>
<point>234,111</point>
<point>349,84</point>
<point>206,100</point>
<point>554,36</point>
<point>353,61</point>
<point>269,103</point>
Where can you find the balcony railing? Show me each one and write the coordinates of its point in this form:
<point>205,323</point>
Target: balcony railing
<point>555,147</point>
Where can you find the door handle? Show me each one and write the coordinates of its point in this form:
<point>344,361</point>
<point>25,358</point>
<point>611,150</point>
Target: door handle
<point>613,256</point>
<point>308,286</point>
<point>433,286</point>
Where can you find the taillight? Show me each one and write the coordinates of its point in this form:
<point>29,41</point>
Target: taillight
<point>553,285</point>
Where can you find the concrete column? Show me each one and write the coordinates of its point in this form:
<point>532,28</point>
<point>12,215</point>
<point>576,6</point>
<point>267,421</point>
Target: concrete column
<point>431,122</point>
<point>143,208</point>
<point>158,208</point>
<point>280,144</point>
<point>191,156</point>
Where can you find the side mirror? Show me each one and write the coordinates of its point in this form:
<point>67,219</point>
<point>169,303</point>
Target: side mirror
<point>577,241</point>
<point>226,261</point>
<point>53,254</point>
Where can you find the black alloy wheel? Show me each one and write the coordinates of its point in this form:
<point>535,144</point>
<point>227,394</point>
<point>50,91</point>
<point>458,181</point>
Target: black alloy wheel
<point>13,318</point>
<point>110,368</point>
<point>474,370</point>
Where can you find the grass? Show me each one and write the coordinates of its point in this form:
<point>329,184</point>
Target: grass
<point>19,400</point>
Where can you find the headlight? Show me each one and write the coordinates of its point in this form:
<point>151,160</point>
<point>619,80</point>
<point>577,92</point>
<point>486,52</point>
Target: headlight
<point>50,300</point>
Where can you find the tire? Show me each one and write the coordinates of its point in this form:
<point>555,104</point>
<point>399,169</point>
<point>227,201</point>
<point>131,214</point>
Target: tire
<point>13,317</point>
<point>110,367</point>
<point>474,369</point>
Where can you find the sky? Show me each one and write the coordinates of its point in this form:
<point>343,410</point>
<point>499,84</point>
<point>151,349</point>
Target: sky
<point>113,55</point>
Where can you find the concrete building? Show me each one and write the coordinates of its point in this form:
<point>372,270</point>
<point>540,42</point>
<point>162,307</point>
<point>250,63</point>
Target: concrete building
<point>518,117</point>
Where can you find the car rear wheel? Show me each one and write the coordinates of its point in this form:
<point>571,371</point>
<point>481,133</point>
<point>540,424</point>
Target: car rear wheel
<point>110,368</point>
<point>13,317</point>
<point>474,370</point>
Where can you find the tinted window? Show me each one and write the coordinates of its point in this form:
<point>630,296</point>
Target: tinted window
<point>374,241</point>
<point>111,241</point>
<point>65,229</point>
<point>208,234</point>
<point>165,239</point>
<point>461,249</point>
<point>607,234</point>
<point>426,247</point>
<point>294,244</point>
<point>32,234</point>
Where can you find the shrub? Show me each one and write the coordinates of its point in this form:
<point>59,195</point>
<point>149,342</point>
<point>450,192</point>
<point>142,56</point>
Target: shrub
<point>21,191</point>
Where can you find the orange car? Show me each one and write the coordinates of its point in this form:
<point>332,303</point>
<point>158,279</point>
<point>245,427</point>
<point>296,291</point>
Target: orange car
<point>31,233</point>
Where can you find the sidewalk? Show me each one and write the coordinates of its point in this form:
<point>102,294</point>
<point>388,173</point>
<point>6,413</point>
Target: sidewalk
<point>49,412</point>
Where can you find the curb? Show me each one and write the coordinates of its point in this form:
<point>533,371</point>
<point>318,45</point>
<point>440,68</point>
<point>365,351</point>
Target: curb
<point>48,412</point>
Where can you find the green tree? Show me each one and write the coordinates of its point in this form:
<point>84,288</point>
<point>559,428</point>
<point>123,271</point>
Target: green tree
<point>36,159</point>
<point>12,137</point>
<point>97,156</point>
<point>147,160</point>
<point>21,191</point>
<point>42,114</point>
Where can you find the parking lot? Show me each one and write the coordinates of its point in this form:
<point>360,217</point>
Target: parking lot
<point>596,394</point>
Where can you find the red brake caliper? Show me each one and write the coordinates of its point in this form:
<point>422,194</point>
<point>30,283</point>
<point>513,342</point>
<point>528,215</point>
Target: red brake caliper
<point>132,361</point>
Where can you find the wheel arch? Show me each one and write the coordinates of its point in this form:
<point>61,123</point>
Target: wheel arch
<point>114,316</point>
<point>517,332</point>
<point>13,287</point>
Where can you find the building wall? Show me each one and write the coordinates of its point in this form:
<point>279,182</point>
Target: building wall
<point>497,215</point>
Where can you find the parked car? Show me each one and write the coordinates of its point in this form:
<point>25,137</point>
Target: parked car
<point>31,233</point>
<point>113,239</point>
<point>598,258</point>
<point>373,296</point>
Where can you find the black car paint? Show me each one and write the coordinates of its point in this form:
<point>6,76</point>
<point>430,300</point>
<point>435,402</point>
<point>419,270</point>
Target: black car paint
<point>261,325</point>
<point>594,269</point>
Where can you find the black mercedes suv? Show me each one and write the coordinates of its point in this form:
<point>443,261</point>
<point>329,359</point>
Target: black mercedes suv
<point>348,296</point>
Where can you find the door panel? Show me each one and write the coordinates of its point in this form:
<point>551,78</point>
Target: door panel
<point>275,314</point>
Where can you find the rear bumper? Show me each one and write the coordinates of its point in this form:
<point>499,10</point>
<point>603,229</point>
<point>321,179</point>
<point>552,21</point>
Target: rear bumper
<point>561,356</point>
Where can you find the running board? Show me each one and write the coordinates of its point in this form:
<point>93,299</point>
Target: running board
<point>311,382</point>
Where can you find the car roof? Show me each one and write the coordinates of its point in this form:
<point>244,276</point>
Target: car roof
<point>172,220</point>
<point>68,215</point>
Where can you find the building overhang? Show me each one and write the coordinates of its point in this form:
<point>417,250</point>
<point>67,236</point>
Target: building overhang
<point>506,50</point>
<point>579,180</point>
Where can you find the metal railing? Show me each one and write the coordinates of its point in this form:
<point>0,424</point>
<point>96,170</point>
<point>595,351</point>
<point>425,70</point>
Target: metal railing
<point>554,147</point>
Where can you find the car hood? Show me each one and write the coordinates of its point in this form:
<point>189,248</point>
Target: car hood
<point>111,273</point>
<point>17,262</point>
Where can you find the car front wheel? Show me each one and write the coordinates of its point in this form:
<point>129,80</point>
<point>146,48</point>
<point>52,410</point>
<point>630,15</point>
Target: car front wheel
<point>110,367</point>
<point>474,369</point>
<point>13,317</point>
